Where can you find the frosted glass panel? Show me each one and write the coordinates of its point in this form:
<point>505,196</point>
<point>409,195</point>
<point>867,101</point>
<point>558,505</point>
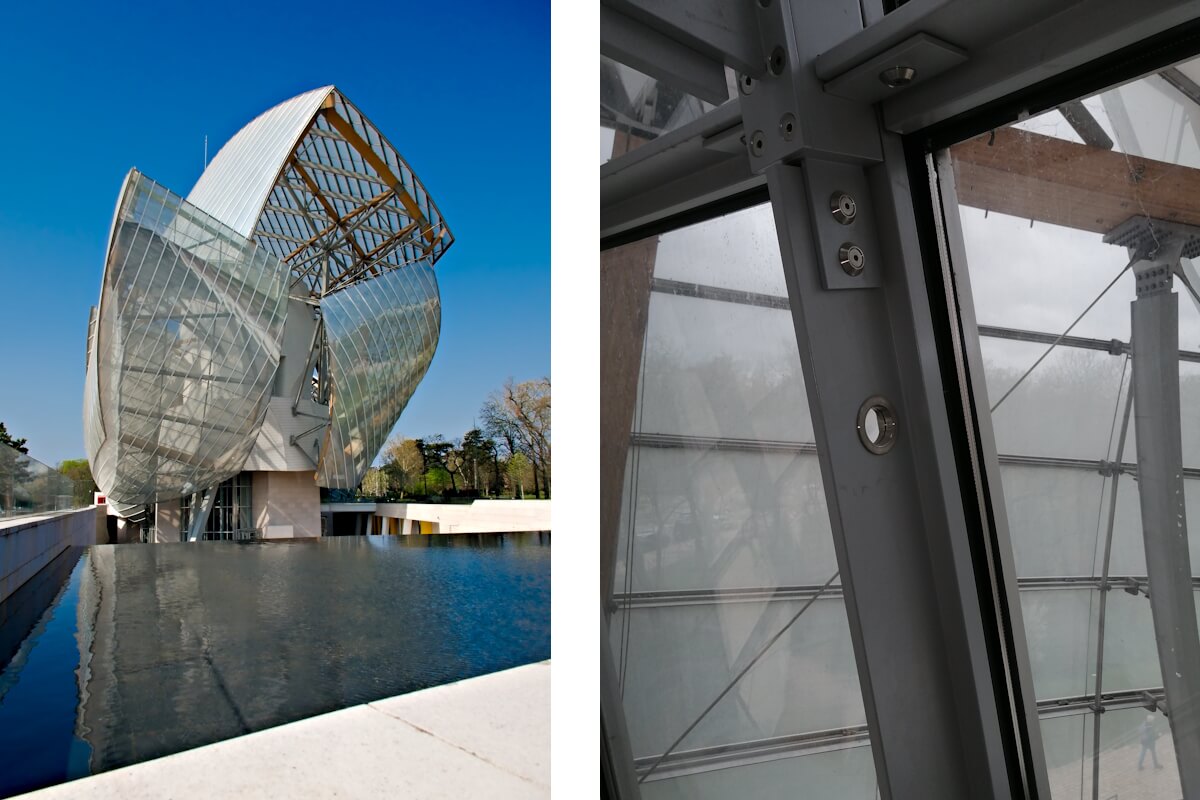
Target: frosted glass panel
<point>722,369</point>
<point>1061,643</point>
<point>724,519</point>
<point>683,656</point>
<point>724,537</point>
<point>1050,535</point>
<point>736,251</point>
<point>1063,409</point>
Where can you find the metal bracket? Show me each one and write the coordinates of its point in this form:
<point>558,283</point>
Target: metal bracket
<point>786,113</point>
<point>916,59</point>
<point>831,186</point>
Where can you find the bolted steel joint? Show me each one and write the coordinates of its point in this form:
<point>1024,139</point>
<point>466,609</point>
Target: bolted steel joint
<point>758,143</point>
<point>852,258</point>
<point>787,126</point>
<point>777,61</point>
<point>843,207</point>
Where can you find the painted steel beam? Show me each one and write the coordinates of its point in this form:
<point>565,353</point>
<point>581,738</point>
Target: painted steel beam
<point>886,578</point>
<point>1155,334</point>
<point>630,42</point>
<point>721,31</point>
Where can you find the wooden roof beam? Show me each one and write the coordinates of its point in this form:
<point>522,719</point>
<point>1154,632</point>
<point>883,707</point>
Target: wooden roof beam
<point>1036,177</point>
<point>377,163</point>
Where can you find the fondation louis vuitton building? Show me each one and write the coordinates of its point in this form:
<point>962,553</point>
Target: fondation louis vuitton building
<point>258,338</point>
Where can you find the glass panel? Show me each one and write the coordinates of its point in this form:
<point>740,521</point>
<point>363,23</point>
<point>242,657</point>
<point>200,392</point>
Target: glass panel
<point>715,519</point>
<point>704,376</point>
<point>382,334</point>
<point>188,337</point>
<point>27,487</point>
<point>635,108</point>
<point>1057,223</point>
<point>725,547</point>
<point>1132,742</point>
<point>681,656</point>
<point>1064,408</point>
<point>845,774</point>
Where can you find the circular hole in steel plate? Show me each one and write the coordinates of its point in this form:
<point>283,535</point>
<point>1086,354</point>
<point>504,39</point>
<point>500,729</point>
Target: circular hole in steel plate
<point>877,425</point>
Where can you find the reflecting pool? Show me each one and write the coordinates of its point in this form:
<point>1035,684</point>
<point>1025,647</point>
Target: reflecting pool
<point>146,650</point>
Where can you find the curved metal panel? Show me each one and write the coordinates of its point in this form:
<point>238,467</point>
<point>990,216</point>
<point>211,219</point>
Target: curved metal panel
<point>235,185</point>
<point>188,337</point>
<point>382,334</point>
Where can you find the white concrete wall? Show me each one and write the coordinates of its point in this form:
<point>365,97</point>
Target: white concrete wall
<point>481,516</point>
<point>166,521</point>
<point>286,504</point>
<point>30,543</point>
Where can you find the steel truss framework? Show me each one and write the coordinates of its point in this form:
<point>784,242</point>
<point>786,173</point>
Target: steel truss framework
<point>956,716</point>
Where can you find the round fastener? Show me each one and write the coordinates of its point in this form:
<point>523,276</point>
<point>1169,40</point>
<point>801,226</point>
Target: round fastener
<point>843,207</point>
<point>897,76</point>
<point>746,84</point>
<point>764,3</point>
<point>777,61</point>
<point>852,258</point>
<point>787,126</point>
<point>877,425</point>
<point>758,143</point>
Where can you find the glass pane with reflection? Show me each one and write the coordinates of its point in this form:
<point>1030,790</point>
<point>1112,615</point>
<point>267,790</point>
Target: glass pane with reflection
<point>1059,214</point>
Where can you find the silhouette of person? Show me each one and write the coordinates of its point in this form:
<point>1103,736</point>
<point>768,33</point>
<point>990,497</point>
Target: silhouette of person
<point>1148,734</point>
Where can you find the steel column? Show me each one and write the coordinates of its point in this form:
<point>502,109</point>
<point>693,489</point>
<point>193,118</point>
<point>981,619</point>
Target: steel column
<point>1155,334</point>
<point>848,352</point>
<point>202,506</point>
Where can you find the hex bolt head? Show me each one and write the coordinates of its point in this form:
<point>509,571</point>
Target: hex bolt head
<point>843,207</point>
<point>757,143</point>
<point>787,126</point>
<point>852,258</point>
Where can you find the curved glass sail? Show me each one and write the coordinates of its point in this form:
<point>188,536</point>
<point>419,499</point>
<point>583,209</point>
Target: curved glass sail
<point>382,334</point>
<point>187,340</point>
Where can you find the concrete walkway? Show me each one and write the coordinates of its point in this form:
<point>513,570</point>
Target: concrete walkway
<point>484,737</point>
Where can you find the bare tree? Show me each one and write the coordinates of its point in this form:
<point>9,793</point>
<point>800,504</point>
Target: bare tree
<point>519,415</point>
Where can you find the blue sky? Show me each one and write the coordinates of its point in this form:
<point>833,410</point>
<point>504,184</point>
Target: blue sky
<point>92,89</point>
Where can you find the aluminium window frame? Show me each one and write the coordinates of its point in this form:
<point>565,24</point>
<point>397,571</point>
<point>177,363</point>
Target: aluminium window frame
<point>700,171</point>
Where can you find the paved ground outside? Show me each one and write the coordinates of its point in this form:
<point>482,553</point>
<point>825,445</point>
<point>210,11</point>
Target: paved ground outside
<point>484,737</point>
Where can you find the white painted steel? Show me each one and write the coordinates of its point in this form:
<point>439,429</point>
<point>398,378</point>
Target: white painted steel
<point>235,186</point>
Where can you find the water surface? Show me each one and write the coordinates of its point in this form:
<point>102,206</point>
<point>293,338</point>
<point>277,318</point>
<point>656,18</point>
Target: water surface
<point>151,649</point>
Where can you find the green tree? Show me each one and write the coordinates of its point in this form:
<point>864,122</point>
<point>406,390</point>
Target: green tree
<point>478,456</point>
<point>403,464</point>
<point>374,483</point>
<point>516,469</point>
<point>15,444</point>
<point>80,473</point>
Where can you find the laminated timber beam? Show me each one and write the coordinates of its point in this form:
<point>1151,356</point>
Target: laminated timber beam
<point>1036,177</point>
<point>377,163</point>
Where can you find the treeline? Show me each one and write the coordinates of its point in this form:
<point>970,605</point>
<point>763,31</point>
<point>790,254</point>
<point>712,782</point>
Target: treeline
<point>507,456</point>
